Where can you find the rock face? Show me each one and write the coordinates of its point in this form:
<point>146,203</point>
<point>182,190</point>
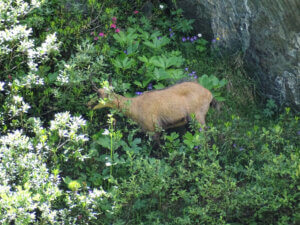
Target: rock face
<point>266,31</point>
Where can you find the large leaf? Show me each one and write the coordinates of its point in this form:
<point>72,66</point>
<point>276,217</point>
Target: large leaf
<point>159,61</point>
<point>161,74</point>
<point>143,59</point>
<point>126,38</point>
<point>132,48</point>
<point>176,74</point>
<point>157,43</point>
<point>123,62</point>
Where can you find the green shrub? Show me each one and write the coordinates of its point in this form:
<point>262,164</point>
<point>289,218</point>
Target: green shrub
<point>61,163</point>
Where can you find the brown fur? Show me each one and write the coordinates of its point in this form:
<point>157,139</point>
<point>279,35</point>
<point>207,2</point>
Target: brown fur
<point>167,108</point>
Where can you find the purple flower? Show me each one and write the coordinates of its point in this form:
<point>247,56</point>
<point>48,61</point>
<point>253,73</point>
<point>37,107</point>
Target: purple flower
<point>188,38</point>
<point>158,38</point>
<point>213,41</point>
<point>138,93</point>
<point>150,87</point>
<point>125,52</point>
<point>195,77</point>
<point>190,74</point>
<point>183,39</point>
<point>186,69</point>
<point>171,34</point>
<point>241,149</point>
<point>200,129</point>
<point>298,132</point>
<point>170,29</point>
<point>193,72</point>
<point>234,145</point>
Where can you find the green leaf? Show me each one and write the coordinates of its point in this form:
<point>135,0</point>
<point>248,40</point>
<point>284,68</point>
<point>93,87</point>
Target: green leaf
<point>126,38</point>
<point>159,61</point>
<point>176,74</point>
<point>160,74</point>
<point>138,83</point>
<point>123,62</point>
<point>132,48</point>
<point>104,141</point>
<point>52,77</point>
<point>143,59</point>
<point>157,43</point>
<point>219,98</point>
<point>146,82</point>
<point>158,86</point>
<point>189,140</point>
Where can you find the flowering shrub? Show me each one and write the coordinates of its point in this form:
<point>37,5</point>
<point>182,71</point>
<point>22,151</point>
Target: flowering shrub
<point>27,186</point>
<point>61,163</point>
<point>16,42</point>
<point>28,189</point>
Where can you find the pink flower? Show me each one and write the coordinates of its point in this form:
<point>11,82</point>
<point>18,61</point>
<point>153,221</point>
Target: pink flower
<point>101,34</point>
<point>114,19</point>
<point>95,38</point>
<point>117,30</point>
<point>92,33</point>
<point>136,12</point>
<point>113,26</point>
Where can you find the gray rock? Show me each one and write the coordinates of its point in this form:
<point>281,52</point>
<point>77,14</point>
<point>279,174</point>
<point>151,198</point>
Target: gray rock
<point>266,31</point>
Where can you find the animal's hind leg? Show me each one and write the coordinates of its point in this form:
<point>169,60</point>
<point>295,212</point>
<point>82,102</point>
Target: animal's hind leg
<point>200,115</point>
<point>200,118</point>
<point>156,138</point>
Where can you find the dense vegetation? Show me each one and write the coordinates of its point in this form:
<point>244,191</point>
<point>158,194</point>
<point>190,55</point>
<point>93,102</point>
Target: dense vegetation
<point>61,163</point>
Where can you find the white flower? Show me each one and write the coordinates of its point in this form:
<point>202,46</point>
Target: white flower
<point>77,122</point>
<point>39,146</point>
<point>25,45</point>
<point>61,119</point>
<point>63,133</point>
<point>81,137</point>
<point>161,6</point>
<point>18,99</point>
<point>1,86</point>
<point>199,35</point>
<point>31,79</point>
<point>108,164</point>
<point>16,139</point>
<point>32,65</point>
<point>48,46</point>
<point>106,132</point>
<point>25,107</point>
<point>63,77</point>
<point>35,3</point>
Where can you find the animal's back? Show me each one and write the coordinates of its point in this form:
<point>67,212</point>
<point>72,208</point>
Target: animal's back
<point>187,91</point>
<point>173,104</point>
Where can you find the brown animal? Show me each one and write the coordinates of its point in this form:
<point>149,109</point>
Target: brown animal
<point>166,108</point>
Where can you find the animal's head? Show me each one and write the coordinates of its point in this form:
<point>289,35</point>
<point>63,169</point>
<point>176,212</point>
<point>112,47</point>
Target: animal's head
<point>100,101</point>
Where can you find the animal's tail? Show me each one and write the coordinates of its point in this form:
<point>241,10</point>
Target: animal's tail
<point>215,104</point>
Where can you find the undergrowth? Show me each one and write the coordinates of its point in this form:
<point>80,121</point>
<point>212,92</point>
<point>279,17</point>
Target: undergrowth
<point>61,163</point>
